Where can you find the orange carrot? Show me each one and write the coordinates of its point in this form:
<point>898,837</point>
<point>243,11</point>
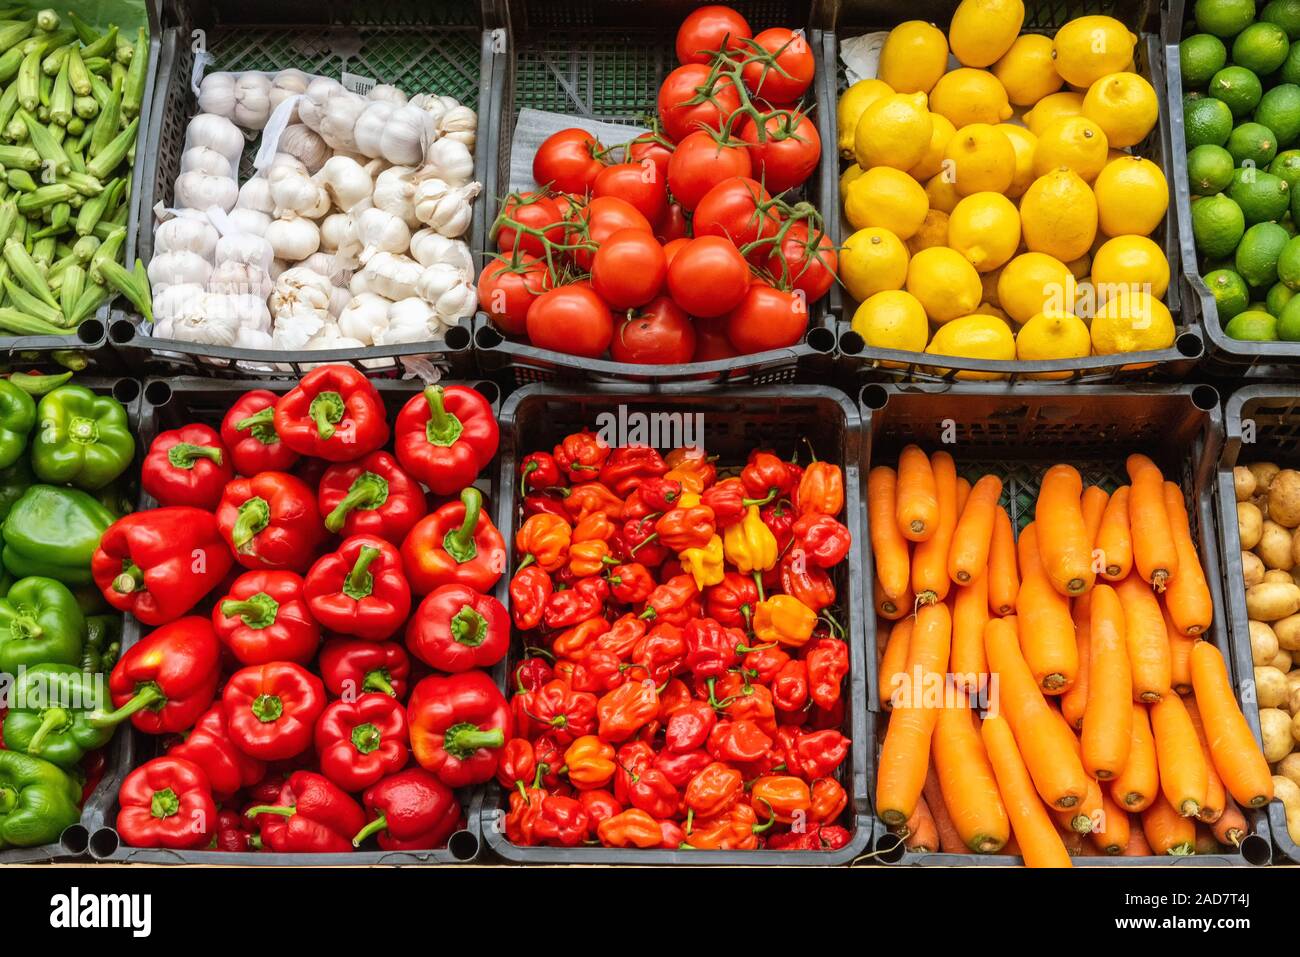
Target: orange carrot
<point>1064,547</point>
<point>1167,831</point>
<point>1114,541</point>
<point>1075,700</point>
<point>968,557</point>
<point>1184,776</point>
<point>1107,721</point>
<point>1087,814</point>
<point>1148,641</point>
<point>1215,796</point>
<point>970,791</point>
<point>1093,505</point>
<point>888,608</point>
<point>1137,842</point>
<point>1154,553</point>
<point>930,581</point>
<point>919,832</point>
<point>1138,784</point>
<point>893,663</point>
<point>1236,755</point>
<point>1035,833</point>
<point>1206,843</point>
<point>1231,827</point>
<point>904,756</point>
<point>1112,836</point>
<point>970,611</point>
<point>890,548</point>
<point>963,494</point>
<point>949,840</point>
<point>1180,653</point>
<point>1046,629</point>
<point>930,644</point>
<point>917,509</point>
<point>1187,596</point>
<point>1004,578</point>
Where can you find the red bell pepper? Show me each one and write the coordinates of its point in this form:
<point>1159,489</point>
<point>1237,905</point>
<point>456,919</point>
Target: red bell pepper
<point>360,589</point>
<point>458,725</point>
<point>628,466</point>
<point>271,521</point>
<point>209,746</point>
<point>351,668</point>
<point>159,564</point>
<point>271,709</point>
<point>824,541</point>
<point>410,810</point>
<point>455,545</point>
<point>538,471</point>
<point>373,496</point>
<point>248,431</point>
<point>187,466</point>
<point>456,629</point>
<point>529,590</point>
<point>264,618</point>
<point>828,663</point>
<point>166,802</point>
<point>581,455</point>
<point>333,413</point>
<point>166,679</point>
<point>446,436</point>
<point>312,815</point>
<point>361,741</point>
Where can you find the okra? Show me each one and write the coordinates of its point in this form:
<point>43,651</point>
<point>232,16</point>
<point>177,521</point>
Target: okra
<point>107,252</point>
<point>45,143</point>
<point>76,126</point>
<point>78,75</point>
<point>29,81</point>
<point>19,323</point>
<point>45,42</point>
<point>107,159</point>
<point>73,359</point>
<point>60,213</point>
<point>9,218</point>
<point>106,124</point>
<point>91,299</point>
<point>19,157</point>
<point>46,84</point>
<point>43,253</point>
<point>104,46</point>
<point>92,211</point>
<point>85,248</point>
<point>133,284</point>
<point>98,64</point>
<point>83,183</point>
<point>100,91</point>
<point>47,20</point>
<point>124,54</point>
<point>55,59</point>
<point>75,159</point>
<point>74,284</point>
<point>20,180</point>
<point>86,108</point>
<point>61,97</point>
<point>83,142</point>
<point>23,266</point>
<point>133,89</point>
<point>45,196</point>
<point>15,33</point>
<point>20,298</point>
<point>85,32</point>
<point>16,131</point>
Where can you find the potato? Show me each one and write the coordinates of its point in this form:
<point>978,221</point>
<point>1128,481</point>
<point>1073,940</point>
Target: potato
<point>1271,688</point>
<point>1250,524</point>
<point>1252,569</point>
<point>1278,575</point>
<point>1289,767</point>
<point>1275,727</point>
<point>1271,601</point>
<point>1288,792</point>
<point>1288,633</point>
<point>1282,662</point>
<point>1293,700</point>
<point>1263,472</point>
<point>1244,483</point>
<point>1263,643</point>
<point>1284,498</point>
<point>1274,546</point>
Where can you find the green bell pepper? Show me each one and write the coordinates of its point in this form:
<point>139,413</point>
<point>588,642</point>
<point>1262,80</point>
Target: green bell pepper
<point>17,418</point>
<point>103,642</point>
<point>15,480</point>
<point>83,439</point>
<point>48,719</point>
<point>53,532</point>
<point>40,623</point>
<point>37,801</point>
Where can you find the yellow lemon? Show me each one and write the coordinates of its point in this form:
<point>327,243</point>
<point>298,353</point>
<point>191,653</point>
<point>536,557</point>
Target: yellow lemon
<point>1053,337</point>
<point>1132,323</point>
<point>985,228</point>
<point>849,110</point>
<point>1080,268</point>
<point>1129,262</point>
<point>914,56</point>
<point>979,159</point>
<point>1124,105</point>
<point>1132,197</point>
<point>989,285</point>
<point>886,197</point>
<point>851,172</point>
<point>933,232</point>
<point>942,192</point>
<point>1087,48</point>
<point>988,309</point>
<point>981,31</point>
<point>1074,142</point>
<point>929,164</point>
<point>1024,143</point>
<point>892,319</point>
<point>946,285</point>
<point>1027,70</point>
<point>893,131</point>
<point>1051,108</point>
<point>1058,215</point>
<point>974,336</point>
<point>968,96</point>
<point>1033,283</point>
<point>871,261</point>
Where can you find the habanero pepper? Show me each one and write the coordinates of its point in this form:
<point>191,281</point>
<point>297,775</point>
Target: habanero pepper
<point>411,810</point>
<point>622,637</point>
<point>187,466</point>
<point>209,746</point>
<point>351,667</point>
<point>738,742</point>
<point>574,643</point>
<point>544,540</point>
<point>270,521</point>
<point>555,708</point>
<point>595,526</point>
<point>816,754</point>
<point>637,541</point>
<point>456,544</point>
<point>675,601</point>
<point>736,829</point>
<point>728,501</point>
<point>741,699</point>
<point>529,590</point>
<point>525,806</point>
<point>166,802</point>
<point>264,618</point>
<point>592,497</point>
<point>782,795</point>
<point>550,758</point>
<point>820,490</point>
<point>544,503</point>
<point>711,649</point>
<point>598,672</point>
<point>823,540</point>
<point>685,527</point>
<point>372,496</point>
<point>630,583</point>
<point>589,557</point>
<point>538,471</point>
<point>532,673</point>
<point>583,601</point>
<point>231,835</point>
<point>826,837</point>
<point>731,601</point>
<point>632,757</point>
<point>333,413</point>
<point>691,466</point>
<point>765,475</point>
<point>689,726</point>
<point>360,589</point>
<point>806,582</point>
<point>630,828</point>
<point>518,765</point>
<point>561,821</point>
<point>661,652</point>
<point>630,465</point>
<point>828,800</point>
<point>650,790</point>
<point>765,663</point>
<point>590,761</point>
<point>705,565</point>
<point>828,663</point>
<point>785,620</point>
<point>361,741</point>
<point>446,436</point>
<point>790,686</point>
<point>680,768</point>
<point>166,679</point>
<point>779,519</point>
<point>581,456</point>
<point>458,725</point>
<point>712,791</point>
<point>627,709</point>
<point>600,805</point>
<point>311,815</point>
<point>634,506</point>
<point>660,494</point>
<point>271,709</point>
<point>248,431</point>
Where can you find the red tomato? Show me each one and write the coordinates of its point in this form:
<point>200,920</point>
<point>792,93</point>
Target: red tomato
<point>536,211</point>
<point>603,217</point>
<point>674,224</point>
<point>711,340</point>
<point>789,152</point>
<point>659,333</point>
<point>708,276</point>
<point>730,210</point>
<point>678,116</point>
<point>567,162</point>
<point>705,31</point>
<point>802,264</point>
<point>783,76</point>
<point>641,184</point>
<point>765,318</point>
<point>571,319</point>
<point>653,147</point>
<point>507,292</point>
<point>700,163</point>
<point>628,269</point>
<point>673,247</point>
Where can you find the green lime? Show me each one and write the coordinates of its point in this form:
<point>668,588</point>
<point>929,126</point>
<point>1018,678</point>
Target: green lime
<point>1279,294</point>
<point>1288,322</point>
<point>1229,291</point>
<point>1238,87</point>
<point>1279,110</point>
<point>1285,13</point>
<point>1290,72</point>
<point>1206,120</point>
<point>1288,264</point>
<point>1209,169</point>
<point>1258,252</point>
<point>1217,225</point>
<point>1219,262</point>
<point>1287,165</point>
<point>1254,325</point>
<point>1252,144</point>
<point>1263,197</point>
<point>1260,48</point>
<point>1224,18</point>
<point>1201,56</point>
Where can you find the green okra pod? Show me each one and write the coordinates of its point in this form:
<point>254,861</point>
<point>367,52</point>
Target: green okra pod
<point>133,88</point>
<point>23,266</point>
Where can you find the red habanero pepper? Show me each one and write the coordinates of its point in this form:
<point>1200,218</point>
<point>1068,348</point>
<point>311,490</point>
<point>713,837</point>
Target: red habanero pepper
<point>166,802</point>
<point>271,521</point>
<point>689,727</point>
<point>790,686</point>
<point>828,800</point>
<point>456,629</point>
<point>736,829</point>
<point>529,590</point>
<point>562,822</point>
<point>691,466</point>
<point>596,526</point>
<point>806,582</point>
<point>572,605</point>
<point>458,725</point>
<point>558,709</point>
<point>683,528</point>
<point>412,810</point>
<point>372,496</point>
<point>628,466</point>
<point>351,668</point>
<point>521,818</point>
<point>820,490</point>
<point>187,466</point>
<point>660,494</point>
<point>745,700</point>
<point>591,497</point>
<point>632,758</point>
<point>532,673</point>
<point>712,791</point>
<point>312,815</point>
<point>827,837</point>
<point>599,671</point>
<point>630,583</point>
<point>600,806</point>
<point>358,742</point>
<point>738,742</point>
<point>673,835</point>
<point>650,790</point>
<point>779,519</point>
<point>680,768</point>
<point>765,663</point>
<point>817,754</point>
<point>574,643</point>
<point>675,695</point>
<point>544,540</point>
<point>271,709</point>
<point>538,471</point>
<point>766,474</point>
<point>731,602</point>
<point>360,589</point>
<point>590,762</point>
<point>828,663</point>
<point>824,541</point>
<point>540,503</point>
<point>518,765</point>
<point>728,501</point>
<point>676,601</point>
<point>166,679</point>
<point>231,835</point>
<point>711,649</point>
<point>264,618</point>
<point>446,436</point>
<point>333,413</point>
<point>661,652</point>
<point>208,745</point>
<point>630,828</point>
<point>783,795</point>
<point>550,758</point>
<point>622,637</point>
<point>627,709</point>
<point>639,542</point>
<point>248,431</point>
<point>589,557</point>
<point>457,544</point>
<point>581,455</point>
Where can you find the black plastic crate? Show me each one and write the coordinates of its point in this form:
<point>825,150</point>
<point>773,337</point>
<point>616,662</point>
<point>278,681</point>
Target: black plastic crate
<point>168,404</point>
<point>1018,432</point>
<point>605,61</point>
<point>735,420</point>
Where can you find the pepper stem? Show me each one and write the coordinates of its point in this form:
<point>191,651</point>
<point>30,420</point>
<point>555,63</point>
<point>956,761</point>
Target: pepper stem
<point>262,425</point>
<point>267,708</point>
<point>528,470</point>
<point>459,542</point>
<point>758,580</point>
<point>360,583</point>
<point>444,428</point>
<point>462,740</point>
<point>254,515</point>
<point>51,719</point>
<point>146,696</point>
<point>377,680</point>
<point>369,491</point>
<point>279,809</point>
<point>771,818</point>
<point>184,455</point>
<point>130,579</point>
<point>257,611</point>
<point>366,738</point>
<point>468,627</point>
<point>164,803</point>
<point>374,827</point>
<point>326,410</point>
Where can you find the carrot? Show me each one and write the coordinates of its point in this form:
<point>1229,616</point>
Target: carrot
<point>1138,784</point>
<point>970,790</point>
<point>1107,721</point>
<point>890,548</point>
<point>904,756</point>
<point>949,840</point>
<point>963,494</point>
<point>1004,578</point>
<point>917,510</point>
<point>1215,796</point>
<point>1236,756</point>
<point>1148,642</point>
<point>1064,547</point>
<point>919,832</point>
<point>970,611</point>
<point>968,558</point>
<point>1206,843</point>
<point>1137,842</point>
<point>893,663</point>
<point>1184,776</point>
<point>1187,596</point>
<point>930,644</point>
<point>1093,503</point>
<point>1167,831</point>
<point>930,579</point>
<point>1035,833</point>
<point>1154,553</point>
<point>1180,653</point>
<point>888,608</point>
<point>1087,814</point>
<point>1112,836</point>
<point>1044,741</point>
<point>1046,629</point>
<point>1075,700</point>
<point>1231,827</point>
<point>1073,841</point>
<point>1114,540</point>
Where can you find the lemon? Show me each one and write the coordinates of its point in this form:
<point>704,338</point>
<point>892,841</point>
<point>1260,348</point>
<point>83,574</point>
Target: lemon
<point>1087,48</point>
<point>1124,105</point>
<point>914,56</point>
<point>1080,268</point>
<point>1024,143</point>
<point>981,31</point>
<point>848,111</point>
<point>1058,215</point>
<point>886,197</point>
<point>1051,108</point>
<point>932,162</point>
<point>988,309</point>
<point>851,172</point>
<point>968,96</point>
<point>989,286</point>
<point>1129,261</point>
<point>941,191</point>
<point>980,158</point>
<point>1132,197</point>
<point>1027,70</point>
<point>944,282</point>
<point>933,232</point>
<point>892,319</point>
<point>1074,142</point>
<point>1053,337</point>
<point>974,336</point>
<point>1134,322</point>
<point>1034,283</point>
<point>985,228</point>
<point>893,131</point>
<point>872,261</point>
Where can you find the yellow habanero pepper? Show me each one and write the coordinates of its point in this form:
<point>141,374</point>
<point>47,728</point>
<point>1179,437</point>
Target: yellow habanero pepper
<point>704,564</point>
<point>750,544</point>
<point>784,619</point>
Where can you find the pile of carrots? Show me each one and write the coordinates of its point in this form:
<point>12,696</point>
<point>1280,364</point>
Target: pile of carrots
<point>1081,711</point>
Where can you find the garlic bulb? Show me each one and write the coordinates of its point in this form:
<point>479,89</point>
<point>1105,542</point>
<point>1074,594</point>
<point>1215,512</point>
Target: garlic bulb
<point>406,133</point>
<point>294,327</point>
<point>340,296</point>
<point>390,275</point>
<point>292,189</point>
<point>429,247</point>
<point>433,105</point>
<point>311,110</point>
<point>460,123</point>
<point>410,320</point>
<point>331,337</point>
<point>252,100</point>
<point>256,194</point>
<point>335,231</point>
<point>245,248</point>
<point>177,300</point>
<point>249,221</point>
<point>450,161</point>
<point>370,125</point>
<point>444,209</point>
<point>205,160</point>
<point>364,317</point>
<point>288,160</point>
<point>394,189</point>
<point>345,181</point>
<point>305,144</point>
<point>240,308</point>
<point>300,304</point>
<point>381,231</point>
<point>178,268</point>
<point>293,238</point>
<point>195,190</point>
<point>196,316</point>
<point>184,234</point>
<point>248,338</point>
<point>216,133</point>
<point>320,262</point>
<point>387,93</point>
<point>287,83</point>
<point>233,278</point>
<point>446,289</point>
<point>339,119</point>
<point>217,94</point>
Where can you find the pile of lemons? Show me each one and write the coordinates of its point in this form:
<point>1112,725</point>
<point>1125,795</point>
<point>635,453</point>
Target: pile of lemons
<point>996,212</point>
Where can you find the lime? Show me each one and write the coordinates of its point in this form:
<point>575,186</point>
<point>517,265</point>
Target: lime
<point>1217,225</point>
<point>1262,196</point>
<point>1206,120</point>
<point>1238,87</point>
<point>1229,291</point>
<point>1252,144</point>
<point>1254,325</point>
<point>1279,110</point>
<point>1209,169</point>
<point>1288,264</point>
<point>1285,13</point>
<point>1260,48</point>
<point>1288,322</point>
<point>1290,72</point>
<point>1258,252</point>
<point>1201,56</point>
<point>1279,294</point>
<point>1286,165</point>
<point>1224,18</point>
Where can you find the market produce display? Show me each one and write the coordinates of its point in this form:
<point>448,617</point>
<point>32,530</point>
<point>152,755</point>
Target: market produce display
<point>693,241</point>
<point>999,209</point>
<point>1109,726</point>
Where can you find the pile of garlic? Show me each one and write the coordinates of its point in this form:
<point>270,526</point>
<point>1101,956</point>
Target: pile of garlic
<point>350,237</point>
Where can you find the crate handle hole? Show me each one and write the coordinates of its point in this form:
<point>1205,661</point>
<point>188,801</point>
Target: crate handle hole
<point>874,397</point>
<point>487,337</point>
<point>104,843</point>
<point>90,331</point>
<point>463,845</point>
<point>851,343</point>
<point>488,389</point>
<point>1205,397</point>
<point>121,331</point>
<point>821,339</point>
<point>74,839</point>
<point>158,393</point>
<point>126,391</point>
<point>1256,850</point>
<point>1189,344</point>
<point>889,848</point>
<point>457,338</point>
